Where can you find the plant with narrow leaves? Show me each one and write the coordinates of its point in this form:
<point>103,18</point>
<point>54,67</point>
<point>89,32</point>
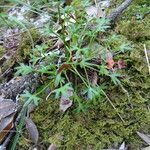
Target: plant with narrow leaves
<point>78,33</point>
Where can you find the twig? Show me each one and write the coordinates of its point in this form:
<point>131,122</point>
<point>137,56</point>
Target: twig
<point>146,55</point>
<point>48,95</point>
<point>118,11</point>
<point>127,93</point>
<point>113,106</point>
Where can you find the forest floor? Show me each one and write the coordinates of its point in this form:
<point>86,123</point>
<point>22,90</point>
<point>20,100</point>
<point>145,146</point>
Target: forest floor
<point>91,78</point>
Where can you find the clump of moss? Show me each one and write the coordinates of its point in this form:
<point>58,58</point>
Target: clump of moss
<point>99,127</point>
<point>135,30</point>
<point>22,51</point>
<point>25,45</point>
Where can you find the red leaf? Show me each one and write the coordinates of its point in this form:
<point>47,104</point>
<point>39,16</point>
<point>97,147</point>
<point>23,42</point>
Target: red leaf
<point>121,64</point>
<point>63,67</point>
<point>110,63</point>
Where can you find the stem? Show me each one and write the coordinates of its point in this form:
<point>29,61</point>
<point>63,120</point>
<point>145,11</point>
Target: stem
<point>86,76</point>
<point>20,126</point>
<point>79,75</point>
<point>43,89</point>
<point>146,55</point>
<point>113,106</point>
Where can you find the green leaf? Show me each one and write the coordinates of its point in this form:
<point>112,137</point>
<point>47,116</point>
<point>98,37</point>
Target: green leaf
<point>63,89</point>
<point>92,92</point>
<point>82,107</point>
<point>84,63</point>
<point>59,80</point>
<point>114,78</point>
<point>34,59</point>
<point>102,24</point>
<point>31,97</point>
<point>44,69</point>
<point>125,47</point>
<point>103,70</point>
<point>23,69</point>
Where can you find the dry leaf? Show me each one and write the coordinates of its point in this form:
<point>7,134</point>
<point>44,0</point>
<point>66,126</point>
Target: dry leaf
<point>109,60</point>
<point>91,11</point>
<point>57,45</point>
<point>32,130</point>
<point>6,124</point>
<point>95,11</point>
<point>63,67</point>
<point>31,107</point>
<point>65,102</point>
<point>144,137</point>
<point>5,121</point>
<point>100,12</point>
<point>7,107</point>
<point>7,112</point>
<point>121,64</point>
<point>52,147</point>
<point>110,63</point>
<point>104,4</point>
<point>5,131</point>
<point>68,2</point>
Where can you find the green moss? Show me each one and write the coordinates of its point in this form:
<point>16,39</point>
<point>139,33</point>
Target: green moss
<point>98,128</point>
<point>135,30</point>
<point>22,52</point>
<point>26,42</point>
